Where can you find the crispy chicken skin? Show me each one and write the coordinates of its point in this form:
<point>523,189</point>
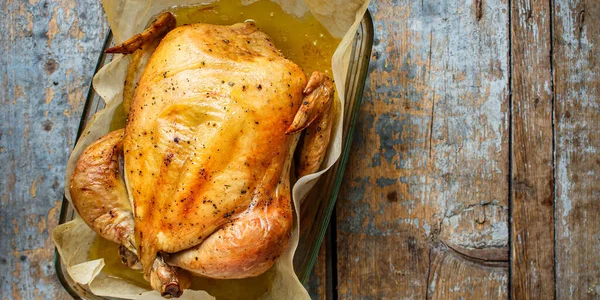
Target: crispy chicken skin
<point>100,193</point>
<point>208,148</point>
<point>206,131</point>
<point>252,242</point>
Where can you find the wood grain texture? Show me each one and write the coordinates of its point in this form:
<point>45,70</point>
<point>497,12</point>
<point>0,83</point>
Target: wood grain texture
<point>424,205</point>
<point>317,282</point>
<point>49,50</point>
<point>532,227</point>
<point>456,277</point>
<point>577,93</point>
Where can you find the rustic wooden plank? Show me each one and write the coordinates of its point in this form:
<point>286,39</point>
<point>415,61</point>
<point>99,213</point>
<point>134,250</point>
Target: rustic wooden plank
<point>577,127</point>
<point>49,50</point>
<point>317,282</point>
<point>471,279</point>
<point>430,164</point>
<point>532,227</point>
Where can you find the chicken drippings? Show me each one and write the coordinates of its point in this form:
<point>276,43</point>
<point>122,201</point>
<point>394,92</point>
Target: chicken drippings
<point>248,288</point>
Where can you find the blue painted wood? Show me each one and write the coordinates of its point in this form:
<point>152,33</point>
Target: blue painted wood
<point>49,50</point>
<point>427,186</point>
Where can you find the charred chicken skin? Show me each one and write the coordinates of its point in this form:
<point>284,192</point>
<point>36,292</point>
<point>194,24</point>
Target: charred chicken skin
<point>199,180</point>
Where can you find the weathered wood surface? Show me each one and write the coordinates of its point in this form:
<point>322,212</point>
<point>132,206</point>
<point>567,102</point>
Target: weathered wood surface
<point>532,227</point>
<point>424,208</point>
<point>423,212</point>
<point>49,50</point>
<point>576,56</point>
<point>318,285</point>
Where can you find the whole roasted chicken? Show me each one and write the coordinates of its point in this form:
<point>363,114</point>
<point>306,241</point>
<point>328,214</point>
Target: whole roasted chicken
<point>199,179</point>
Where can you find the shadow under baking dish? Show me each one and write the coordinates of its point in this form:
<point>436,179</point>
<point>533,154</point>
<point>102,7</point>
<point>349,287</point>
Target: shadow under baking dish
<point>316,210</point>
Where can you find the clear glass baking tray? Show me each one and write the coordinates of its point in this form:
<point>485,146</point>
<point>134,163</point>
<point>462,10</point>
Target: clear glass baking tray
<point>316,210</point>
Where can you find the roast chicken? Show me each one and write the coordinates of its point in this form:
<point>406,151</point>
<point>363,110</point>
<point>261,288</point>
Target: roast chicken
<point>199,180</point>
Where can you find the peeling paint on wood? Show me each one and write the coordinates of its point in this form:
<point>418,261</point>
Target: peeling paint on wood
<point>49,50</point>
<point>577,93</point>
<point>430,161</point>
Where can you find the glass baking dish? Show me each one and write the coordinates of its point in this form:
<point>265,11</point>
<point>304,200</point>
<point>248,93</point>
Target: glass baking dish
<point>316,209</point>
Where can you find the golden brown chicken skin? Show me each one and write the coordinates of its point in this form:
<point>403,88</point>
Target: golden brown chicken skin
<point>208,149</point>
<point>206,132</point>
<point>100,193</point>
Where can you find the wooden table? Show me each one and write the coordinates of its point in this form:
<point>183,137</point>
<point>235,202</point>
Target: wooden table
<point>475,170</point>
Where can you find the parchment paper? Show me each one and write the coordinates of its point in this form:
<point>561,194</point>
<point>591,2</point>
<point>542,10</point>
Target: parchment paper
<point>128,17</point>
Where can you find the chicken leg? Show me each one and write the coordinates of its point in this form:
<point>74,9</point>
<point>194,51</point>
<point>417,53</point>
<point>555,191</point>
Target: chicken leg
<point>99,195</point>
